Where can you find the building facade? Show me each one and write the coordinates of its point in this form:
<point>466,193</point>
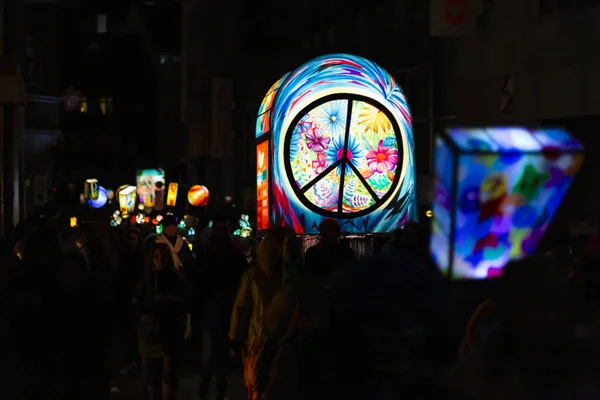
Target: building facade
<point>111,74</point>
<point>29,130</point>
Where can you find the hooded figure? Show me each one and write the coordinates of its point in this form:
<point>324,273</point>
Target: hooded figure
<point>258,288</point>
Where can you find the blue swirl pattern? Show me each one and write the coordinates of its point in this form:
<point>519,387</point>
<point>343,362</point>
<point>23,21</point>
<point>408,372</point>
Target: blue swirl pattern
<point>320,77</point>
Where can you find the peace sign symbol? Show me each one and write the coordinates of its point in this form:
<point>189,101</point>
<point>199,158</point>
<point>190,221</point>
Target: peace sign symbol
<point>342,154</point>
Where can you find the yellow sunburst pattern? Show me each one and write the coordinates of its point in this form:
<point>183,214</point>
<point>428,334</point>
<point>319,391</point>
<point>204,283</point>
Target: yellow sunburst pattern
<point>372,118</point>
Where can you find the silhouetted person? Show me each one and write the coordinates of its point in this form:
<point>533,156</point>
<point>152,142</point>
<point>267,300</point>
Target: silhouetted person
<point>162,301</point>
<point>183,258</point>
<point>256,292</point>
<point>328,257</point>
<point>76,310</point>
<point>388,328</point>
<point>30,305</point>
<point>221,265</point>
<point>130,270</point>
<point>530,355</point>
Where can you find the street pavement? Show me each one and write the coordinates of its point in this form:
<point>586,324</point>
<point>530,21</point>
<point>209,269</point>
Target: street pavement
<point>130,388</point>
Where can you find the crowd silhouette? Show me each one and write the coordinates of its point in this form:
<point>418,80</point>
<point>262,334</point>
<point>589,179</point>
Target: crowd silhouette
<point>81,305</point>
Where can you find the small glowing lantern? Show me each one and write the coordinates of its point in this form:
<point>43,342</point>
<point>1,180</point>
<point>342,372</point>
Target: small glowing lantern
<point>111,195</point>
<point>172,194</point>
<point>198,196</point>
<point>139,219</point>
<point>127,200</point>
<point>73,222</point>
<point>91,189</point>
<point>100,200</point>
<point>159,229</point>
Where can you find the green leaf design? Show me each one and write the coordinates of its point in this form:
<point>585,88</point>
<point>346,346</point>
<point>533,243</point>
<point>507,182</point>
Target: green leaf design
<point>530,183</point>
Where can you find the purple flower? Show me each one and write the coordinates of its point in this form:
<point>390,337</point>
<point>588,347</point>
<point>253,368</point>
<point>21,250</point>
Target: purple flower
<point>316,141</point>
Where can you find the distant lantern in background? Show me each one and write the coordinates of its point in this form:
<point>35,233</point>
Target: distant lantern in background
<point>91,189</point>
<point>198,196</point>
<point>103,105</point>
<point>71,99</point>
<point>101,200</point>
<point>127,200</point>
<point>172,194</point>
<point>82,198</point>
<point>111,195</point>
<point>159,196</point>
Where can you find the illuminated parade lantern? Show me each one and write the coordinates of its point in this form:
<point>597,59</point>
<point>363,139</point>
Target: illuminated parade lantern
<point>90,189</point>
<point>149,182</point>
<point>198,196</point>
<point>335,140</point>
<point>244,228</point>
<point>496,191</point>
<point>127,199</point>
<point>100,200</point>
<point>172,194</point>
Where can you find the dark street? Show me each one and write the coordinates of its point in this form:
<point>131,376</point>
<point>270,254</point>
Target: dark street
<point>299,200</point>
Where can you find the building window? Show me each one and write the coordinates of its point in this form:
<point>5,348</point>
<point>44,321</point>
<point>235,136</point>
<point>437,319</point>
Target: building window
<point>84,105</point>
<point>106,105</point>
<point>101,23</point>
<point>33,71</point>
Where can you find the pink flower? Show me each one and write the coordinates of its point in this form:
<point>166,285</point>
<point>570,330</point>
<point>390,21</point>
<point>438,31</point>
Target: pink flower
<point>316,141</point>
<point>382,159</point>
<point>319,164</point>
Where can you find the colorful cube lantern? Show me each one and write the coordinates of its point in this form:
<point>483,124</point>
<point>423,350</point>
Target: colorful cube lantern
<point>127,199</point>
<point>496,191</point>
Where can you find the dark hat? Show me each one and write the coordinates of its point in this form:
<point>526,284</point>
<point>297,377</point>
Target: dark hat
<point>169,220</point>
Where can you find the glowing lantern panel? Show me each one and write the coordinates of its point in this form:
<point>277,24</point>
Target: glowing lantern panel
<point>90,190</point>
<point>101,200</point>
<point>198,196</point>
<point>147,180</point>
<point>496,191</point>
<point>127,200</point>
<point>337,133</point>
<point>172,194</point>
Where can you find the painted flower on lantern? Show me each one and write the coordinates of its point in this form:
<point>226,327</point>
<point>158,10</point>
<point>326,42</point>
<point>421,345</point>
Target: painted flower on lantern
<point>316,141</point>
<point>295,143</point>
<point>373,118</point>
<point>331,117</point>
<point>320,163</point>
<point>383,159</point>
<point>335,152</point>
<point>304,124</point>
